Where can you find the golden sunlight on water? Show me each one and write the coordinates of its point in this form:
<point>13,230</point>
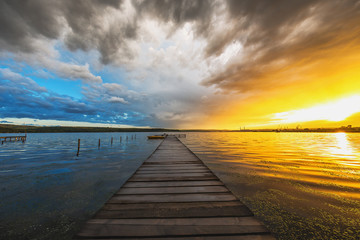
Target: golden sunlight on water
<point>343,147</point>
<point>304,185</point>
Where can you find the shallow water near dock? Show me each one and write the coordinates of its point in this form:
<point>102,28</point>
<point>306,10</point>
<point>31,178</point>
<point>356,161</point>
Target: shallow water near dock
<point>302,185</point>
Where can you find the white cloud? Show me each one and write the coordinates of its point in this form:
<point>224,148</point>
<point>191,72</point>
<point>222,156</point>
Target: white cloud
<point>20,80</point>
<point>118,100</point>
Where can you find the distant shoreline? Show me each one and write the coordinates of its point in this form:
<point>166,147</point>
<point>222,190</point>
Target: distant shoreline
<point>9,128</point>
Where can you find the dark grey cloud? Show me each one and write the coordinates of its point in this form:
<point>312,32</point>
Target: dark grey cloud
<point>91,24</point>
<point>23,22</point>
<point>281,36</point>
<point>179,12</point>
<point>260,25</point>
<point>90,29</point>
<point>258,21</point>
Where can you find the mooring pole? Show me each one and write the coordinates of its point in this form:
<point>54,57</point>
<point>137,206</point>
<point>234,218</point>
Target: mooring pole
<point>111,140</point>
<point>99,144</point>
<point>78,147</point>
<point>120,139</point>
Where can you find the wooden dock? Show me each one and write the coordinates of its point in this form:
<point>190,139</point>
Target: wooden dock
<point>12,138</point>
<point>173,195</point>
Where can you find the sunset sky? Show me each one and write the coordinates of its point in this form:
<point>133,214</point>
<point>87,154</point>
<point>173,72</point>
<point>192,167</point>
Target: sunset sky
<point>180,64</point>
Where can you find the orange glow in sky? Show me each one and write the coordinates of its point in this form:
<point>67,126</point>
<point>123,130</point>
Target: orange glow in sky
<point>333,111</point>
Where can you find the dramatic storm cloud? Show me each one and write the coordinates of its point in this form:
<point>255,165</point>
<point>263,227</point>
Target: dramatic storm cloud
<point>177,63</point>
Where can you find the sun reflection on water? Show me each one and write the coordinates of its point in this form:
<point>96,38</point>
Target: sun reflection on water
<point>290,179</point>
<point>342,147</point>
<point>320,160</point>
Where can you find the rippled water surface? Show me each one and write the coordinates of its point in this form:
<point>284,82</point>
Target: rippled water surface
<point>46,191</point>
<point>303,185</point>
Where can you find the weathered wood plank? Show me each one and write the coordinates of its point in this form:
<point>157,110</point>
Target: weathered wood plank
<point>160,175</point>
<point>264,236</point>
<point>114,230</point>
<point>170,171</point>
<point>174,211</point>
<point>185,205</point>
<point>215,221</point>
<point>170,166</point>
<point>191,197</point>
<point>170,178</point>
<point>170,163</point>
<point>162,190</point>
<point>173,183</point>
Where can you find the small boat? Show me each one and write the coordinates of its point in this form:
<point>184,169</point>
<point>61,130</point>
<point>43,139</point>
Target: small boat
<point>156,137</point>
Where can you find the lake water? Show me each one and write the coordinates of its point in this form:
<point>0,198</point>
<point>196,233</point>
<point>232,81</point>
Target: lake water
<point>302,185</point>
<point>47,192</point>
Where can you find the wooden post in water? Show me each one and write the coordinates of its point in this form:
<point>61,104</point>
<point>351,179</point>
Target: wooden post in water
<point>126,138</point>
<point>120,139</point>
<point>99,144</point>
<point>78,147</point>
<point>132,137</point>
<point>135,136</point>
<point>111,141</point>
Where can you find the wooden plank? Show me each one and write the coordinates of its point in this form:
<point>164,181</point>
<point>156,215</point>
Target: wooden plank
<point>192,197</point>
<point>137,178</point>
<point>172,211</point>
<point>172,177</point>
<point>264,236</point>
<point>160,175</point>
<point>143,172</point>
<point>175,156</point>
<point>173,183</point>
<point>170,163</point>
<point>162,190</point>
<point>173,171</point>
<point>114,230</point>
<point>167,167</point>
<point>185,205</point>
<point>215,221</point>
<point>153,167</point>
<point>172,166</point>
